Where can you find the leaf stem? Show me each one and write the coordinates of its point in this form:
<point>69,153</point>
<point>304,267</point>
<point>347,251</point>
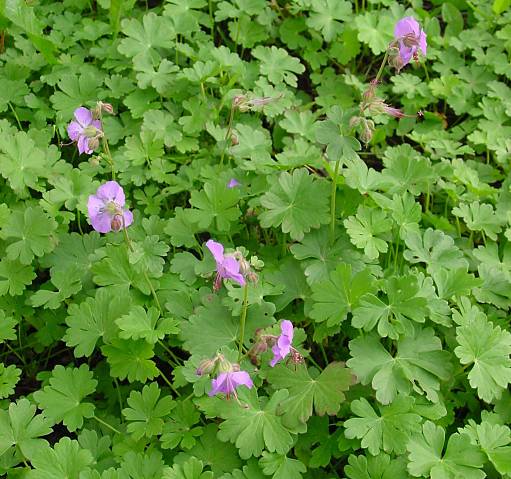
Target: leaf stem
<point>170,352</point>
<point>15,115</point>
<point>243,319</point>
<point>333,195</point>
<point>107,425</point>
<point>169,384</point>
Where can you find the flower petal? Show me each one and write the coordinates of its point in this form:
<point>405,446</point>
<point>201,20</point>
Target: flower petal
<point>74,130</point>
<point>112,191</point>
<point>128,218</point>
<point>83,145</point>
<point>83,116</point>
<point>231,270</point>
<point>102,222</point>
<point>217,250</point>
<point>241,378</point>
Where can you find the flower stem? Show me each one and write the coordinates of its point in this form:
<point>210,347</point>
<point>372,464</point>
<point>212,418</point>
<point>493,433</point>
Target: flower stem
<point>228,133</point>
<point>243,319</point>
<point>382,66</point>
<point>333,195</point>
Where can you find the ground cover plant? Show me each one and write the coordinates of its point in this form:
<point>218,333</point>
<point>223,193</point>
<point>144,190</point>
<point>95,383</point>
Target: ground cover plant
<point>245,239</point>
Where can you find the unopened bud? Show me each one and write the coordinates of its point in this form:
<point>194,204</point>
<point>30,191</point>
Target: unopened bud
<point>93,143</point>
<point>234,139</point>
<point>238,100</point>
<point>355,121</point>
<point>94,160</point>
<point>252,277</point>
<point>205,367</point>
<point>106,107</point>
<point>116,223</point>
<point>367,131</point>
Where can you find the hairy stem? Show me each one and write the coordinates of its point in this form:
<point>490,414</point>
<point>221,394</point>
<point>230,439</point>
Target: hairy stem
<point>243,319</point>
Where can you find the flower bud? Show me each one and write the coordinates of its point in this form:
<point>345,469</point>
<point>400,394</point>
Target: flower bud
<point>93,143</point>
<point>355,121</point>
<point>94,160</point>
<point>116,223</point>
<point>234,139</point>
<point>206,366</point>
<point>252,277</point>
<point>367,131</point>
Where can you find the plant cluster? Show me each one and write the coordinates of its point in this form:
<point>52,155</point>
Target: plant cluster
<point>249,239</point>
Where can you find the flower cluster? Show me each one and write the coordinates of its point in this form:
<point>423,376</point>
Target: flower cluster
<point>409,38</point>
<point>85,130</point>
<point>107,210</point>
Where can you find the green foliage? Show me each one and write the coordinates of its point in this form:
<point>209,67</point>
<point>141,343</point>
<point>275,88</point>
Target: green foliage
<point>296,202</point>
<point>392,260</point>
<point>63,401</point>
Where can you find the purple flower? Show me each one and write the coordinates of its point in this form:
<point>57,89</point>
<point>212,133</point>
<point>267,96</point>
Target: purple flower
<point>227,267</point>
<point>227,382</point>
<point>233,183</point>
<point>410,37</point>
<point>106,208</point>
<point>283,345</point>
<point>85,131</point>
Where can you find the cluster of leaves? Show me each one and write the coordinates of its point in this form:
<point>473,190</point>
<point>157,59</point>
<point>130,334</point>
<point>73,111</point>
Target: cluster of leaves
<point>401,307</point>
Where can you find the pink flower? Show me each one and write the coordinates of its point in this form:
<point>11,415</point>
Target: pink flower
<point>226,383</point>
<point>410,37</point>
<point>106,208</point>
<point>233,183</point>
<point>84,130</point>
<point>283,345</point>
<point>227,267</point>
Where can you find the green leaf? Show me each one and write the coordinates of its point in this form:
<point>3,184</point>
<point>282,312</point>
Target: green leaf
<point>93,319</point>
<point>392,317</point>
<point>21,427</point>
<point>340,295</point>
<point>339,146</point>
<point>67,283</point>
<point>325,17</point>
<point>142,324</point>
<point>210,328</point>
<point>147,256</point>
<point>146,411</point>
<point>376,467</point>
<point>145,38</point>
<point>130,359</point>
<point>257,427</point>
<point>23,164</point>
<point>34,231</point>
<point>63,401</point>
<point>460,459</point>
<point>419,365</point>
<point>434,248</point>
<point>65,460</point>
<point>216,206</point>
<point>182,229</point>
<point>389,431</point>
<point>282,467</point>
<point>488,348</point>
<point>191,469</point>
<point>500,6</point>
<point>179,430</point>
<point>364,228</point>
<point>324,391</point>
<point>278,65</point>
<point>374,30</point>
<point>297,202</point>
<point>495,441</point>
<point>7,325</point>
<point>480,217</point>
<point>9,377</point>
